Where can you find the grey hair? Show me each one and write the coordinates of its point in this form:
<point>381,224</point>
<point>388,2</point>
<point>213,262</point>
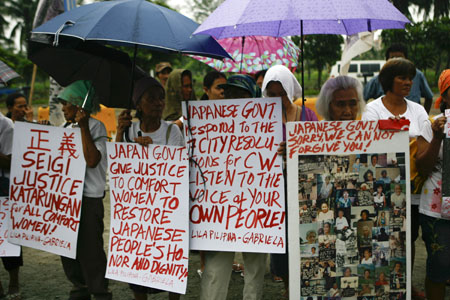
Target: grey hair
<point>341,82</point>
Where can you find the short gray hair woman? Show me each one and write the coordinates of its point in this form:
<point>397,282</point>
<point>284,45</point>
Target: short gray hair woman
<point>341,98</point>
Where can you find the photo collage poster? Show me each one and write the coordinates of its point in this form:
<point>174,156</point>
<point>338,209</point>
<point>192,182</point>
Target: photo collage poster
<point>352,225</point>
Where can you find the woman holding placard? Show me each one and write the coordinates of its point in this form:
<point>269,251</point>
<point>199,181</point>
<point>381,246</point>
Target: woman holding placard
<point>434,210</point>
<point>148,98</point>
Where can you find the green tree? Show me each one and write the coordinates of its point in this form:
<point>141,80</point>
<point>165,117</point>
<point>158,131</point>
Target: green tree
<point>322,50</point>
<point>203,8</point>
<point>22,12</point>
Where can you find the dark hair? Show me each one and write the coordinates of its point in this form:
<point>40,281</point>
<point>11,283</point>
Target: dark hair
<point>443,105</point>
<point>12,98</point>
<point>364,211</point>
<point>367,173</point>
<point>209,79</point>
<point>396,48</point>
<point>260,73</point>
<point>234,92</point>
<point>395,67</point>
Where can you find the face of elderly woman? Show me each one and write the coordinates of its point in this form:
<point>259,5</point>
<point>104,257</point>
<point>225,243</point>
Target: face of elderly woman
<point>275,89</point>
<point>152,102</point>
<point>345,105</point>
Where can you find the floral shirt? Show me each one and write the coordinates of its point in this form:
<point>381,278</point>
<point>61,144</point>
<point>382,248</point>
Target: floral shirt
<point>430,199</point>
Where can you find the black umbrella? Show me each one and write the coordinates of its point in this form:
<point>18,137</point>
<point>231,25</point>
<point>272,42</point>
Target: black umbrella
<point>107,68</point>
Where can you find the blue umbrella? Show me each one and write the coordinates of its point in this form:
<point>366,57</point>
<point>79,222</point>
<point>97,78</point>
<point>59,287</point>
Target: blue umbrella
<point>132,23</point>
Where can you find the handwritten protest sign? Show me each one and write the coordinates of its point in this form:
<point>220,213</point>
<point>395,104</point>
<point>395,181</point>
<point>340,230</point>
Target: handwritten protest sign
<point>46,187</point>
<point>6,248</point>
<point>149,240</point>
<point>348,203</point>
<point>236,180</point>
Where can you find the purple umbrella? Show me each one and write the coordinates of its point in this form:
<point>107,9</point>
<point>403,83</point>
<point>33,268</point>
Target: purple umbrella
<point>298,17</point>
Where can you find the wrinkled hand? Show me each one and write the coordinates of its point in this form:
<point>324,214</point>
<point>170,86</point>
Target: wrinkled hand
<point>82,118</point>
<point>29,113</point>
<point>143,140</point>
<point>282,149</point>
<point>124,120</point>
<point>438,127</point>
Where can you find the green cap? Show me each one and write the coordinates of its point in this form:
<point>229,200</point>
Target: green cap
<point>77,91</point>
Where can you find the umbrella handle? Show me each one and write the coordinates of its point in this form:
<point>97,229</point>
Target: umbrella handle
<point>60,29</point>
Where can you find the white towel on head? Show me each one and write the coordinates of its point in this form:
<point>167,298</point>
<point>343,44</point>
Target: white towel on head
<point>282,74</point>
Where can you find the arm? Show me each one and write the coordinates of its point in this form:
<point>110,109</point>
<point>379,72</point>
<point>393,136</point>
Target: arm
<point>123,124</point>
<point>427,104</point>
<point>5,161</point>
<point>90,151</point>
<point>428,153</point>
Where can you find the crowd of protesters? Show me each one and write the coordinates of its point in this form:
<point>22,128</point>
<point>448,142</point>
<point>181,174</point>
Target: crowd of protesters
<point>396,92</point>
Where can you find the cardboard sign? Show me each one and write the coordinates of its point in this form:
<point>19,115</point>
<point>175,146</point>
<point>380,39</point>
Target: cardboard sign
<point>46,187</point>
<point>236,179</point>
<point>6,248</point>
<point>149,240</point>
<point>348,204</point>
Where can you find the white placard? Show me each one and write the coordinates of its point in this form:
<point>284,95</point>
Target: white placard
<point>149,240</point>
<point>46,187</point>
<point>236,178</point>
<point>6,248</point>
<point>348,204</point>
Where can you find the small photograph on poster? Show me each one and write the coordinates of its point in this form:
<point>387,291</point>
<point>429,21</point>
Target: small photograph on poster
<point>398,196</point>
<point>309,267</point>
<point>397,244</point>
<point>308,233</point>
<point>307,187</point>
<point>349,286</point>
<point>382,218</point>
<point>379,197</point>
<point>307,211</point>
<point>364,232</point>
<point>381,254</point>
<point>377,160</point>
<point>324,186</point>
<point>381,234</point>
<point>387,176</point>
<point>308,287</point>
<point>342,221</point>
<point>362,214</point>
<point>397,220</point>
<point>397,267</point>
<point>345,198</point>
<point>325,212</point>
<point>364,196</point>
<point>365,254</point>
<point>309,250</point>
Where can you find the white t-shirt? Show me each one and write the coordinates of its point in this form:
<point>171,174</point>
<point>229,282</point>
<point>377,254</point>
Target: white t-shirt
<point>6,138</point>
<point>95,178</point>
<point>398,200</point>
<point>341,223</point>
<point>159,136</point>
<point>431,197</point>
<point>415,113</point>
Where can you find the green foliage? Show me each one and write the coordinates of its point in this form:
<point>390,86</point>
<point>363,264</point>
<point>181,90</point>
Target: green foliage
<point>322,51</point>
<point>427,43</point>
<point>203,8</point>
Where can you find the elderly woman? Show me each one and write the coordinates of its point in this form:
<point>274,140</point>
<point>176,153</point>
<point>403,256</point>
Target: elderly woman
<point>340,99</point>
<point>148,98</point>
<point>280,82</point>
<point>434,215</point>
<point>396,79</point>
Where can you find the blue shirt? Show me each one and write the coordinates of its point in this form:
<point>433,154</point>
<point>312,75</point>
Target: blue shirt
<point>419,88</point>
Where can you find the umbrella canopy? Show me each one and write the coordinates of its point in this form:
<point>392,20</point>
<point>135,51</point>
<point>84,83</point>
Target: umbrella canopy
<point>283,17</point>
<point>129,23</point>
<point>254,53</point>
<point>298,17</point>
<point>107,68</point>
<point>6,73</point>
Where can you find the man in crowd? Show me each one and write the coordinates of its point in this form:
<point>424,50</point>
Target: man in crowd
<point>163,70</point>
<point>419,87</point>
